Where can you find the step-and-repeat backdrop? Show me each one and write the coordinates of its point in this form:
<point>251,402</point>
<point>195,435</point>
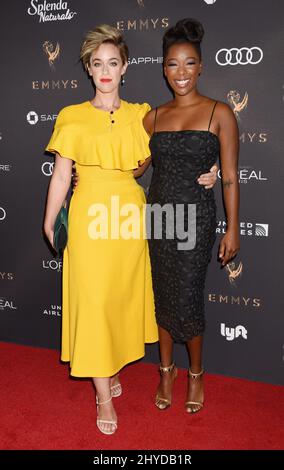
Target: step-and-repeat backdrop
<point>243,66</point>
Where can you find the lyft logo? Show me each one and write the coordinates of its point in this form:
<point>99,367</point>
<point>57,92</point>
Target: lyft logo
<point>233,333</point>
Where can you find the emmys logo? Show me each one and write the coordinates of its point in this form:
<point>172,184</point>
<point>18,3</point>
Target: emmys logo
<point>234,300</point>
<point>144,24</point>
<point>238,105</point>
<point>209,2</point>
<point>6,276</point>
<point>234,272</point>
<point>51,11</point>
<point>233,333</point>
<point>51,52</point>
<point>54,84</point>
<point>140,3</point>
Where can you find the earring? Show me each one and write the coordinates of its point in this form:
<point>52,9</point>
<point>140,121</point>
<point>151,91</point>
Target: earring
<point>122,80</point>
<point>199,74</point>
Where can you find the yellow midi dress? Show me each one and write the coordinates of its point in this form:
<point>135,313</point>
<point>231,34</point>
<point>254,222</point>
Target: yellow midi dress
<point>108,306</point>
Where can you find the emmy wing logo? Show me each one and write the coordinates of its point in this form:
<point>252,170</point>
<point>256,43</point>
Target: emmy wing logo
<point>238,104</point>
<point>140,3</point>
<point>234,272</point>
<point>51,52</point>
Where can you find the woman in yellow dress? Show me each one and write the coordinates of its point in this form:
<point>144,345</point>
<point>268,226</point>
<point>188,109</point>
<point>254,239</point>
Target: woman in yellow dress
<point>108,307</point>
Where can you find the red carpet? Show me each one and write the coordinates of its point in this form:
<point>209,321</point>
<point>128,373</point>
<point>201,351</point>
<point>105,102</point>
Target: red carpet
<point>42,408</point>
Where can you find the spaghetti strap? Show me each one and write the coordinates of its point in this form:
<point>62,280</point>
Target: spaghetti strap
<point>155,119</point>
<point>212,114</point>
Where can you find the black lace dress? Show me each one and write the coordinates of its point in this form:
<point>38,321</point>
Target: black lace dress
<point>179,158</point>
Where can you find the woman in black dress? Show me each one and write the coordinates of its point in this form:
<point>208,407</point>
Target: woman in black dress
<point>187,136</point>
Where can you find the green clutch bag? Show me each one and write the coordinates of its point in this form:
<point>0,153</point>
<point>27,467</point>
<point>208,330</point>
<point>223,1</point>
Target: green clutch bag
<point>61,230</point>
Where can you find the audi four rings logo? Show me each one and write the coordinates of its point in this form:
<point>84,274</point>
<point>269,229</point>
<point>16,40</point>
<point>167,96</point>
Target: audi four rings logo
<point>2,213</point>
<point>242,56</point>
<point>47,168</point>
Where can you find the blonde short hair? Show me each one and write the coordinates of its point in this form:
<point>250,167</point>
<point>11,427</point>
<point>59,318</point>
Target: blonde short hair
<point>103,34</point>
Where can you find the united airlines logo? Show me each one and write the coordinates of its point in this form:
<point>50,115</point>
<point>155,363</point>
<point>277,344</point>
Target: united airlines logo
<point>52,52</point>
<point>242,56</point>
<point>53,311</point>
<point>261,230</point>
<point>237,103</point>
<point>253,229</point>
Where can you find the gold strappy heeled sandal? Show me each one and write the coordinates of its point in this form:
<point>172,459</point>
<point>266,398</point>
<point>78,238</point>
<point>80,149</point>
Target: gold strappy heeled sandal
<point>116,390</point>
<point>100,421</point>
<point>160,402</point>
<point>200,404</point>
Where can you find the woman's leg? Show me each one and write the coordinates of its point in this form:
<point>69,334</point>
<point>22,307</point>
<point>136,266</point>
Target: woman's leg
<point>168,374</point>
<point>106,410</point>
<point>115,386</point>
<point>195,381</point>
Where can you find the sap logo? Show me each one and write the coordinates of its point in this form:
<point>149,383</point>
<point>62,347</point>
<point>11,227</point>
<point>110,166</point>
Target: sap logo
<point>33,117</point>
<point>232,333</point>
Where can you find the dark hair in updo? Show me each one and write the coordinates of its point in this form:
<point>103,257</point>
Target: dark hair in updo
<point>186,30</point>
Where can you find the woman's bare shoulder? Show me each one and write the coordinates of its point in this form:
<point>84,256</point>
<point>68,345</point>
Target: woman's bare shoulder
<point>224,112</point>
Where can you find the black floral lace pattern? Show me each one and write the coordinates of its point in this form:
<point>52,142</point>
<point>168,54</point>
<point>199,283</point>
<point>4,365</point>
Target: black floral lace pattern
<point>179,158</point>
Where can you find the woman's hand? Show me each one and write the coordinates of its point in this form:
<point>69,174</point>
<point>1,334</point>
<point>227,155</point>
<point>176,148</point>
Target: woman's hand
<point>229,246</point>
<point>50,235</point>
<point>142,168</point>
<point>209,179</point>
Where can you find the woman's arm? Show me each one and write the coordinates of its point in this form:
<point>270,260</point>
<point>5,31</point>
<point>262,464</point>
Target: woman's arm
<point>58,189</point>
<point>229,140</point>
<point>142,168</point>
<point>148,123</point>
<point>209,179</point>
